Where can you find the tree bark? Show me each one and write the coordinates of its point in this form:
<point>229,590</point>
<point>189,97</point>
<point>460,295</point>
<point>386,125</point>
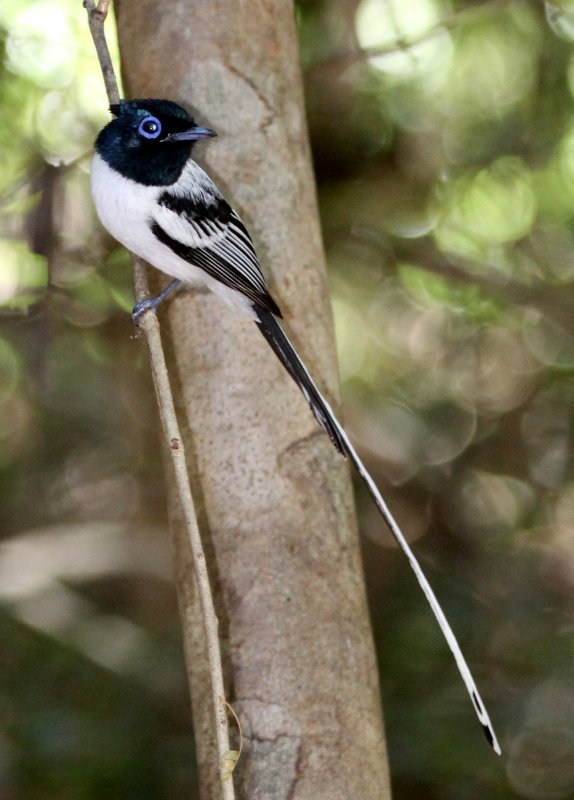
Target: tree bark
<point>275,498</point>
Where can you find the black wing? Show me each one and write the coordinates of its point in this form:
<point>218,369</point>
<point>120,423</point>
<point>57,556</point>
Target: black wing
<point>213,238</point>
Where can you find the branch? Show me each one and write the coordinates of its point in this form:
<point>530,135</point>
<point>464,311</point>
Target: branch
<point>150,326</point>
<point>96,18</point>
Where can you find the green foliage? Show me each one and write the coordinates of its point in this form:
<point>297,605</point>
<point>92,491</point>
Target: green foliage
<point>450,248</point>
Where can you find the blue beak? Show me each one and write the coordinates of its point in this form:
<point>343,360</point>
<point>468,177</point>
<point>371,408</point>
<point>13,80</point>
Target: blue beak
<point>192,135</point>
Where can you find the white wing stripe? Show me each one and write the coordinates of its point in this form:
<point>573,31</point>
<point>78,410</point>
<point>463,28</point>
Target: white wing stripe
<point>228,250</point>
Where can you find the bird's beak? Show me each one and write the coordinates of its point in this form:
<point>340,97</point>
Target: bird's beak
<point>192,135</point>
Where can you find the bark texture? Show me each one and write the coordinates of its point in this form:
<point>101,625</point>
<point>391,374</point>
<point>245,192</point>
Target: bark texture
<point>275,498</point>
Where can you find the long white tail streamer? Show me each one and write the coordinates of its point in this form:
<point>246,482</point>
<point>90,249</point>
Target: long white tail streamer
<point>283,348</point>
<point>463,668</point>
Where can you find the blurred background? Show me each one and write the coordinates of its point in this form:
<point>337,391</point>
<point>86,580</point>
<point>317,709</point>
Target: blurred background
<point>443,139</point>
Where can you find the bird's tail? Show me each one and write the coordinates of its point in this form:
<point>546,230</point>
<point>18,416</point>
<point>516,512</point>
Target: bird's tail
<point>286,353</point>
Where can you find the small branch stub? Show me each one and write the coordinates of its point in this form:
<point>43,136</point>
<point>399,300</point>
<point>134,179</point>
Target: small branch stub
<point>230,759</point>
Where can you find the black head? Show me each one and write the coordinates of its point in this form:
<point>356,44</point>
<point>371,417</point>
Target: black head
<point>149,141</point>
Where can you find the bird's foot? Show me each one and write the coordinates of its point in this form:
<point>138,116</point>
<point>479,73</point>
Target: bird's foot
<point>144,305</point>
<point>152,302</point>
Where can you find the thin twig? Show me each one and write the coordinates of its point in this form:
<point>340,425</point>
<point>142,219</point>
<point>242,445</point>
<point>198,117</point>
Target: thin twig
<point>96,18</point>
<point>150,325</point>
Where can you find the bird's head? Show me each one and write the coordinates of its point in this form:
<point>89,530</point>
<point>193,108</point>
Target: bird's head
<point>149,141</point>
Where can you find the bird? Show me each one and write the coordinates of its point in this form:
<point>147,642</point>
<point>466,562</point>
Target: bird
<point>154,199</point>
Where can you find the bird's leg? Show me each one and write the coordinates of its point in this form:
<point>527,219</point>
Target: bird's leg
<point>153,302</point>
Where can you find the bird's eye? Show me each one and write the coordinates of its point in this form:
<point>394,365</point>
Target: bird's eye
<point>150,128</point>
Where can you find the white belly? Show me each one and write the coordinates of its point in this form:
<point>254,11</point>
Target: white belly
<point>126,209</point>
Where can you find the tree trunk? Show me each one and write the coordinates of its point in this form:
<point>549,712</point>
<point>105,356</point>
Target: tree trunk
<point>275,498</point>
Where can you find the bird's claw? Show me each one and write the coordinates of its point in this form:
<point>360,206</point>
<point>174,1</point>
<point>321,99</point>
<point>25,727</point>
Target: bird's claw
<point>141,307</point>
<point>152,302</point>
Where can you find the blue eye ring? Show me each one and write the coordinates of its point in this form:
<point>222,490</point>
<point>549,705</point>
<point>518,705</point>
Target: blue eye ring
<point>150,128</point>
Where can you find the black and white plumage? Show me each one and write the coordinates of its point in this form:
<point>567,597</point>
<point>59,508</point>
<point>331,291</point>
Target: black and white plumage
<point>190,230</point>
<point>154,199</point>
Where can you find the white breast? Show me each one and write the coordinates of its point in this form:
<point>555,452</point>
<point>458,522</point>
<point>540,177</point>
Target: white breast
<point>126,209</point>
